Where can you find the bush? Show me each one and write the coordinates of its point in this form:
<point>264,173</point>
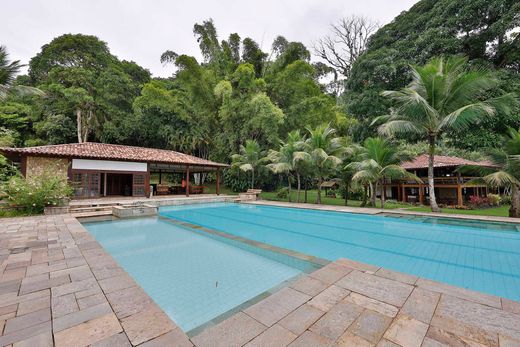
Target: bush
<point>494,199</point>
<point>505,200</point>
<point>282,193</point>
<point>477,201</point>
<point>33,194</point>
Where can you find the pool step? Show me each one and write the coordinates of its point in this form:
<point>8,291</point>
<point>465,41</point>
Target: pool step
<point>90,209</point>
<point>92,214</point>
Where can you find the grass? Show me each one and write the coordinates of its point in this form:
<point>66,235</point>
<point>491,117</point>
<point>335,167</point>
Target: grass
<point>500,211</point>
<point>211,188</point>
<point>312,194</point>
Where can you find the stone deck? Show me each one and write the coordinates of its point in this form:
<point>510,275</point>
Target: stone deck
<point>59,287</point>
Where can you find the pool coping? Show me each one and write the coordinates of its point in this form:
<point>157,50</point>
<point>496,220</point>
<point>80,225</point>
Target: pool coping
<point>60,286</point>
<point>378,211</point>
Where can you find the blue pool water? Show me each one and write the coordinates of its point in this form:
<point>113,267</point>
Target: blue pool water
<point>479,256</point>
<point>193,277</point>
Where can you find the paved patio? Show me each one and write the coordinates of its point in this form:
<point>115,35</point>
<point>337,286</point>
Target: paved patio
<point>59,287</point>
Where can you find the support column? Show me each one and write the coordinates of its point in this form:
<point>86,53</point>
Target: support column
<point>105,185</point>
<point>187,180</point>
<point>459,195</point>
<point>404,194</point>
<point>218,181</point>
<point>421,194</point>
<point>160,176</point>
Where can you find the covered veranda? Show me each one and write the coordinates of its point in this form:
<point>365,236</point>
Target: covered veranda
<point>176,179</point>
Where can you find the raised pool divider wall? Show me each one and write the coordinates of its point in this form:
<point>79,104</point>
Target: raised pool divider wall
<point>134,210</point>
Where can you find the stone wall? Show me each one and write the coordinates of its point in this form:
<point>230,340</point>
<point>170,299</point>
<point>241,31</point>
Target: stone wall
<point>37,165</point>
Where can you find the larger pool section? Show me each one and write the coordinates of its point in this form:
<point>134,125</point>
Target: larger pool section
<point>479,256</point>
<point>195,277</point>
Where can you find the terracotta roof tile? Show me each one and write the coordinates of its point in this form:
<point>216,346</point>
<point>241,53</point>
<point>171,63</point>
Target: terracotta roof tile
<point>421,162</point>
<point>93,150</point>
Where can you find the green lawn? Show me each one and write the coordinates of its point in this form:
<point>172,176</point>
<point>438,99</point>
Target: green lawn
<point>501,211</point>
<point>311,198</point>
<point>211,188</point>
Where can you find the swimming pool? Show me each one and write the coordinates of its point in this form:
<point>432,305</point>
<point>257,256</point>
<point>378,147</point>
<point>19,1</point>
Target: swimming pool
<point>194,277</point>
<point>479,256</point>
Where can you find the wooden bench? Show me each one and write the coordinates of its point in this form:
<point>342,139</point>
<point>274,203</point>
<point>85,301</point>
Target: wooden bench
<point>162,189</point>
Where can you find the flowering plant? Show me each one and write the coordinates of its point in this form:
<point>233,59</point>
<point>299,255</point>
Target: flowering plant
<point>34,193</point>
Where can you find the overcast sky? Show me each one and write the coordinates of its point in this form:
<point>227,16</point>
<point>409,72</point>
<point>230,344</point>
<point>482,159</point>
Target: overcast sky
<point>141,30</point>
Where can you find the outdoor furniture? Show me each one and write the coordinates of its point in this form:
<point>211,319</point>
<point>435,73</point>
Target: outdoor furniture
<point>163,189</point>
<point>197,189</point>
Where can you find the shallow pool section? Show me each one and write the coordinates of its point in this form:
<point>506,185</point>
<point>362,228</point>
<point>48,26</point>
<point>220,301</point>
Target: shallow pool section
<point>479,256</point>
<point>193,277</point>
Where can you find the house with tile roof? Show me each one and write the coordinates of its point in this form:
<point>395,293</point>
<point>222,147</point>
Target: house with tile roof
<point>100,169</point>
<point>451,188</point>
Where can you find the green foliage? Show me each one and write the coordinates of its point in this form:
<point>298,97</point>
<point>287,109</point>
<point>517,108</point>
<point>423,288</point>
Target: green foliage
<point>33,194</point>
<point>494,199</point>
<point>482,30</point>
<point>282,193</point>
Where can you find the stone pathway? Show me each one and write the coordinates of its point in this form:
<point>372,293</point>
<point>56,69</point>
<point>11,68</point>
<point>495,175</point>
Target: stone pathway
<point>58,287</point>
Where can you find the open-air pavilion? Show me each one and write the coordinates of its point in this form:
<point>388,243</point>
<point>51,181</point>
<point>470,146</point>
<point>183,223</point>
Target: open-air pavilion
<point>98,170</point>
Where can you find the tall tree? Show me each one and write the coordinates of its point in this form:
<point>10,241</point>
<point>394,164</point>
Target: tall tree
<point>323,151</point>
<point>8,71</point>
<point>380,161</point>
<point>444,95</point>
<point>250,158</point>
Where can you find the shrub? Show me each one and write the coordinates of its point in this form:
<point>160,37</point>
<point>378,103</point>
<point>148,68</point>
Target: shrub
<point>494,199</point>
<point>282,193</point>
<point>505,200</point>
<point>33,194</point>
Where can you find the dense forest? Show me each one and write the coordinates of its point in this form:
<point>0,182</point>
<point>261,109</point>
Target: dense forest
<point>239,92</point>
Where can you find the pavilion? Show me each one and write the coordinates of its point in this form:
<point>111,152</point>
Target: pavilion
<point>98,169</point>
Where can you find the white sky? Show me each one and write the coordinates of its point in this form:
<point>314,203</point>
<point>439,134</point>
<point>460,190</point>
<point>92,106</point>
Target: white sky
<point>141,30</point>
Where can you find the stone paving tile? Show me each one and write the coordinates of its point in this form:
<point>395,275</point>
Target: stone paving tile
<point>175,338</point>
<point>147,324</point>
<point>386,343</point>
<point>375,287</point>
<point>421,304</point>
<point>27,320</point>
<point>275,336</point>
<point>24,334</point>
<point>277,306</point>
<point>406,331</point>
<point>89,301</point>
<point>43,284</point>
<point>309,285</point>
<point>41,340</point>
<point>62,305</point>
<point>371,304</point>
<point>506,341</point>
<point>89,332</point>
<point>477,315</point>
<point>337,320</point>
<point>33,305</point>
<point>350,340</point>
<point>462,293</point>
<point>117,340</point>
<point>396,276</point>
<point>328,298</point>
<point>330,273</point>
<point>78,317</point>
<point>113,284</point>
<point>233,332</point>
<point>128,301</point>
<point>441,337</point>
<point>78,286</point>
<point>10,286</point>
<point>357,265</point>
<point>8,309</point>
<point>511,306</point>
<point>370,325</point>
<point>302,318</point>
<point>309,338</point>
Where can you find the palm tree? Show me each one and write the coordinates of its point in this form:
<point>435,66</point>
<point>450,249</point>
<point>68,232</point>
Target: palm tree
<point>444,95</point>
<point>288,159</point>
<point>323,151</point>
<point>250,158</point>
<point>380,161</point>
<point>8,71</point>
<point>505,171</point>
<point>345,172</point>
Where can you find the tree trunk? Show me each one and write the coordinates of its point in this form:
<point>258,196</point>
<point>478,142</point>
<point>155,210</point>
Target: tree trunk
<point>318,198</point>
<point>79,122</point>
<point>347,188</point>
<point>253,179</point>
<point>431,182</point>
<point>373,188</point>
<point>514,210</point>
<point>299,187</point>
<point>383,196</point>
<point>289,187</point>
<point>365,196</point>
<point>306,188</point>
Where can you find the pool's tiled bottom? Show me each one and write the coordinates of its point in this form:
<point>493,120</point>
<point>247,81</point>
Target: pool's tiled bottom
<point>194,278</point>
